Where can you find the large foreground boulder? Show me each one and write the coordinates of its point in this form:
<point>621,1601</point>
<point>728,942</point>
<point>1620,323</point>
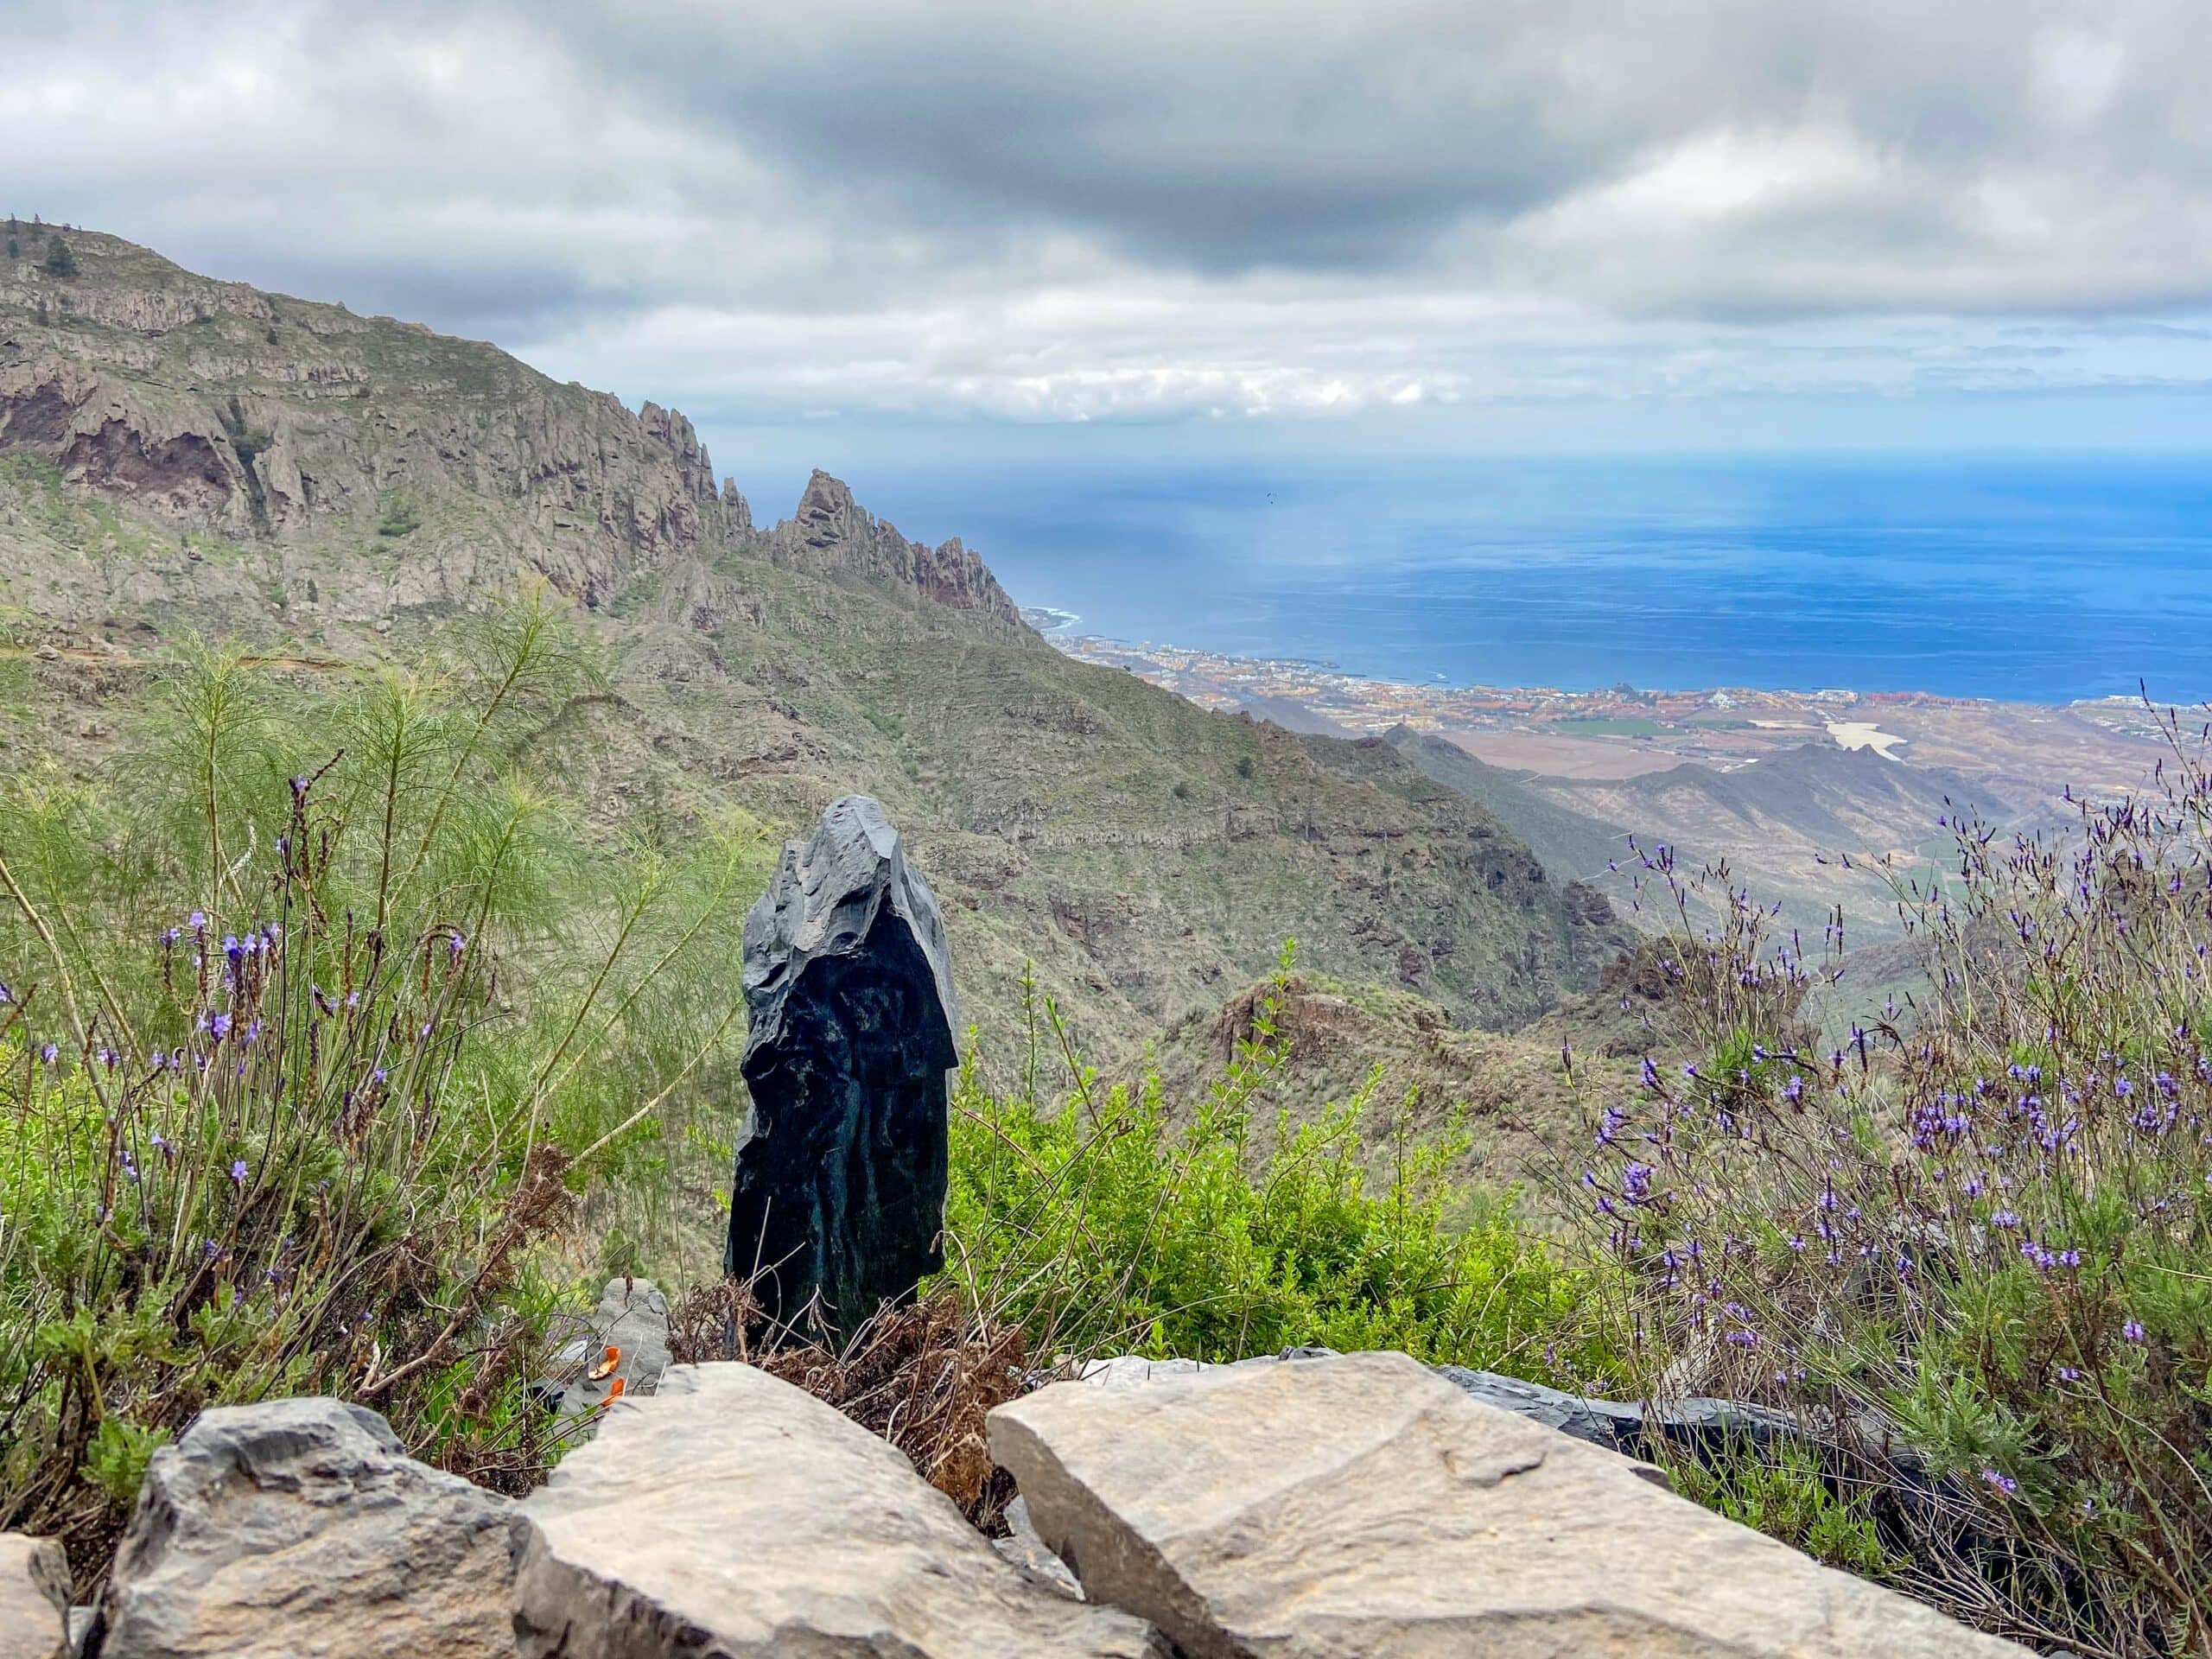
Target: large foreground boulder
<point>838,1197</point>
<point>34,1597</point>
<point>1362,1507</point>
<point>300,1527</point>
<point>734,1515</point>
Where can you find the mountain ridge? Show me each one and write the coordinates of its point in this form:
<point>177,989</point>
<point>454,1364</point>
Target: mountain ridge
<point>176,453</point>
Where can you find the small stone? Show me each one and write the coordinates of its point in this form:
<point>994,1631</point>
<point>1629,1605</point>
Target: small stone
<point>1026,1550</point>
<point>632,1318</point>
<point>1363,1507</point>
<point>837,1202</point>
<point>34,1597</point>
<point>300,1527</point>
<point>735,1515</point>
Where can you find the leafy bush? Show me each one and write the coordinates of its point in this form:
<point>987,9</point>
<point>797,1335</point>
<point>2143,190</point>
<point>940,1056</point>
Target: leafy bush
<point>1093,1217</point>
<point>1785,1492</point>
<point>1982,1227</point>
<point>312,1005</point>
<point>59,262</point>
<point>401,518</point>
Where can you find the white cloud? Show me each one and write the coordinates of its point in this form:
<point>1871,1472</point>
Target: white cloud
<point>1202,207</point>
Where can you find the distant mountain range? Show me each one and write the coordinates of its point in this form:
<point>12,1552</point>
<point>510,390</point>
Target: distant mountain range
<point>178,453</point>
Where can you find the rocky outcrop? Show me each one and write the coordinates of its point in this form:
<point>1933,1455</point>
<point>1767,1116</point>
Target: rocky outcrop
<point>1362,1505</point>
<point>832,535</point>
<point>160,454</point>
<point>669,429</point>
<point>734,1515</point>
<point>838,1196</point>
<point>267,420</point>
<point>34,1597</point>
<point>301,1527</point>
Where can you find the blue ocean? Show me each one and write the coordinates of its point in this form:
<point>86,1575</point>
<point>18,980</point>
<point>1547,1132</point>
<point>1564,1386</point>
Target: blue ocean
<point>2035,580</point>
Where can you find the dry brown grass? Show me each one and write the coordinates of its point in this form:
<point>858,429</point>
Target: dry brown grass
<point>922,1377</point>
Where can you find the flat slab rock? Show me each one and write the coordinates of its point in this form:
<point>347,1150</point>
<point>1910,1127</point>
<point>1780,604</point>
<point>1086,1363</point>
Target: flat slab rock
<point>34,1597</point>
<point>300,1528</point>
<point>732,1515</point>
<point>1362,1507</point>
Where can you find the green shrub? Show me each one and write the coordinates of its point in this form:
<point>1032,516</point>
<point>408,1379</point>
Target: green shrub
<point>1099,1222</point>
<point>59,262</point>
<point>1784,1493</point>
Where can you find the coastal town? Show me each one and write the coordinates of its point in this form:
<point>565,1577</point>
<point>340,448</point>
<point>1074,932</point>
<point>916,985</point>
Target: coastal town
<point>1624,731</point>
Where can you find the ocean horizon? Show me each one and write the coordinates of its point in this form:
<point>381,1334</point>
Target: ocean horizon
<point>2033,579</point>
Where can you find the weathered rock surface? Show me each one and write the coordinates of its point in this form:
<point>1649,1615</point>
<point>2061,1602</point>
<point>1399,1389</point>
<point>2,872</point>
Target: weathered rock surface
<point>1362,1507</point>
<point>1624,1426</point>
<point>1026,1550</point>
<point>839,1189</point>
<point>299,1526</point>
<point>734,1515</point>
<point>34,1597</point>
<point>831,534</point>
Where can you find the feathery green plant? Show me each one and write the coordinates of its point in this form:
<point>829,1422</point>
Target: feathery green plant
<point>308,1007</point>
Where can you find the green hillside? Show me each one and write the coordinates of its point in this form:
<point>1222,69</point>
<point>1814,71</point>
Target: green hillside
<point>180,453</point>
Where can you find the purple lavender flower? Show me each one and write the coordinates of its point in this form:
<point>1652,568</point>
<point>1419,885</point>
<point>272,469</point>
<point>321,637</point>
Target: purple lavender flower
<point>238,1171</point>
<point>2132,1331</point>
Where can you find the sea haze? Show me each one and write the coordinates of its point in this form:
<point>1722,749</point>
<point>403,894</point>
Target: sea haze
<point>2026,579</point>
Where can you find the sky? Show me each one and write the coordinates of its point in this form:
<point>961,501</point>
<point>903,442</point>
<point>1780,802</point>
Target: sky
<point>881,231</point>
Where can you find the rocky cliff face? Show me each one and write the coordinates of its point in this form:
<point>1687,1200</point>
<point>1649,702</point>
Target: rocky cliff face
<point>834,535</point>
<point>217,409</point>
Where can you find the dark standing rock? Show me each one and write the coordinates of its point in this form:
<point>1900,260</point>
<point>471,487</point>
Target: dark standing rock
<point>839,1191</point>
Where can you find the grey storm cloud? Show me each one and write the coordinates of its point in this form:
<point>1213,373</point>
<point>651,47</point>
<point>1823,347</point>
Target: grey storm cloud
<point>1204,204</point>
